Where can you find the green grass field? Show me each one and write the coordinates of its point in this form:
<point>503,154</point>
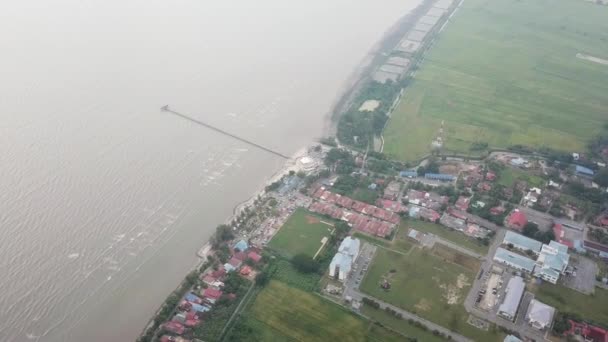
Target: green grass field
<point>283,313</point>
<point>592,307</point>
<point>443,232</point>
<point>426,285</point>
<point>399,325</point>
<point>506,72</point>
<point>302,233</point>
<point>508,177</point>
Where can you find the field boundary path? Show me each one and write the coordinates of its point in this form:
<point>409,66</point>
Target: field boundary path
<point>457,247</point>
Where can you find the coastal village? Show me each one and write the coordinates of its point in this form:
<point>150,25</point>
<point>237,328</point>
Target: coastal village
<point>516,265</point>
<point>351,243</point>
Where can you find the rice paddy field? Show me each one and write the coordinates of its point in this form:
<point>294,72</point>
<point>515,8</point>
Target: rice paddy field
<point>434,287</point>
<point>302,233</point>
<point>507,72</point>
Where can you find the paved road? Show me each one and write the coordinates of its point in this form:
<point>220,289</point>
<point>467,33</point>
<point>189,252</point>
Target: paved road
<point>356,295</point>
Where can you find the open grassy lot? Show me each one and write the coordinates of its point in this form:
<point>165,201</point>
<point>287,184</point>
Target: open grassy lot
<point>283,313</point>
<point>400,243</point>
<point>508,177</point>
<point>443,232</point>
<point>592,307</point>
<point>302,233</point>
<point>427,285</point>
<point>506,72</point>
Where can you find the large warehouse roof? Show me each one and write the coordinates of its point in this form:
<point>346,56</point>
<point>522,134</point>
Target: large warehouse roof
<point>515,290</point>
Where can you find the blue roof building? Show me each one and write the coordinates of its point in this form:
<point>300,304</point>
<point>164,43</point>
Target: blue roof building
<point>439,176</point>
<point>514,260</point>
<point>521,242</point>
<point>241,245</point>
<point>581,170</point>
<point>408,174</point>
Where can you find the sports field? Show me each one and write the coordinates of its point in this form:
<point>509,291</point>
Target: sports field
<point>302,233</point>
<point>507,72</point>
<point>426,285</point>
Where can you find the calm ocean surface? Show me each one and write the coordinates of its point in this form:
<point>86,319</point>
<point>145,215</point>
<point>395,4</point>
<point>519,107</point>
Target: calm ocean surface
<point>104,200</point>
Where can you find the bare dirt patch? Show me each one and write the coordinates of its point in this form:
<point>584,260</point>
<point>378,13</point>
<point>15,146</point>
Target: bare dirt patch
<point>592,59</point>
<point>312,220</point>
<point>369,106</point>
<point>423,305</point>
<point>462,281</point>
<point>451,293</point>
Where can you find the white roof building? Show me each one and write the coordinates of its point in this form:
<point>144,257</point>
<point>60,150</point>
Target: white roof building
<point>540,315</point>
<point>523,243</point>
<point>342,262</point>
<point>552,262</point>
<point>514,293</point>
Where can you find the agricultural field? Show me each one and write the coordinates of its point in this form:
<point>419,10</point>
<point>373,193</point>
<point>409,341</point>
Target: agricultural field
<point>399,325</point>
<point>302,233</point>
<point>591,307</point>
<point>443,232</point>
<point>283,313</point>
<point>523,78</point>
<point>427,285</point>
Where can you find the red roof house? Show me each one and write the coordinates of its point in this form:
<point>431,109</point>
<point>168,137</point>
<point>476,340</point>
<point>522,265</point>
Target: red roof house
<point>219,273</point>
<point>463,203</point>
<point>174,327</point>
<point>240,256</point>
<point>235,262</point>
<point>517,220</point>
<point>589,332</point>
<point>245,270</point>
<point>254,256</point>
<point>490,176</point>
<point>212,293</point>
<point>558,231</point>
<point>497,210</point>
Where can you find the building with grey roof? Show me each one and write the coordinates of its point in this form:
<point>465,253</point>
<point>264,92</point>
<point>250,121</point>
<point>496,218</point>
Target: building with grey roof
<point>408,46</point>
<point>514,293</point>
<point>443,4</point>
<point>393,69</point>
<point>423,27</point>
<point>429,20</point>
<point>435,12</point>
<point>513,260</point>
<point>399,61</point>
<point>540,315</point>
<point>417,36</point>
<point>342,262</point>
<point>383,77</point>
<point>521,242</point>
<point>511,338</point>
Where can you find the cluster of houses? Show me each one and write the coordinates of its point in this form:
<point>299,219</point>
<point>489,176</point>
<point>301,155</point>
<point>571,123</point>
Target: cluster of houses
<point>364,217</point>
<point>458,221</point>
<point>194,304</point>
<point>545,261</point>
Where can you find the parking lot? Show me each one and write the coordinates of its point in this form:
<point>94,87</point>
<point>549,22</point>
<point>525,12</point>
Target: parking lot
<point>361,265</point>
<point>582,278</point>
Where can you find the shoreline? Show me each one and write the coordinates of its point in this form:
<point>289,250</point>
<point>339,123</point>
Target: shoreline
<point>372,59</point>
<point>344,98</point>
